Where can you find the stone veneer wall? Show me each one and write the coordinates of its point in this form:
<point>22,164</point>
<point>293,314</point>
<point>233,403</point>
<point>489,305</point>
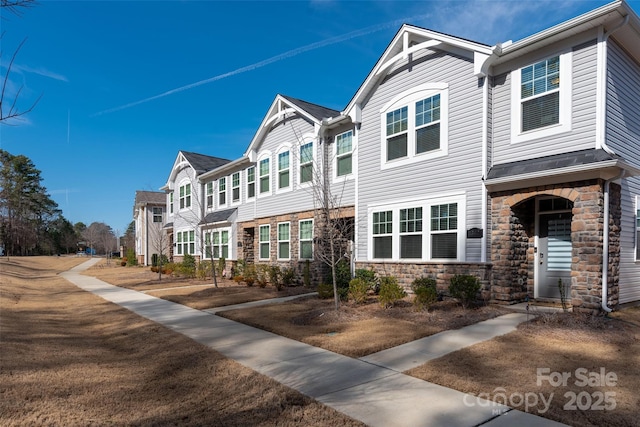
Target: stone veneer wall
<point>319,271</point>
<point>512,239</point>
<point>442,272</point>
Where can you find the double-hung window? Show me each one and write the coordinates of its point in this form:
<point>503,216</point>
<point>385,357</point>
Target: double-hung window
<point>382,234</point>
<point>185,196</point>
<point>265,186</point>
<point>306,239</point>
<point>306,163</point>
<point>265,242</point>
<point>415,125</point>
<point>217,244</point>
<point>222,191</point>
<point>157,214</point>
<point>209,192</point>
<point>428,229</point>
<point>397,133</point>
<point>251,182</point>
<point>541,98</point>
<point>185,243</point>
<point>284,234</point>
<point>171,203</point>
<point>344,153</point>
<point>283,170</point>
<point>411,233</point>
<point>235,187</point>
<point>444,235</point>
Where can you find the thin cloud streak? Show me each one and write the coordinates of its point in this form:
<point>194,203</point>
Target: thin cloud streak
<point>41,72</point>
<point>289,54</point>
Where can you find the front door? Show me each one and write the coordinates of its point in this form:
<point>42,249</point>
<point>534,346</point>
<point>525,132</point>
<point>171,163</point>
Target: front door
<point>553,254</point>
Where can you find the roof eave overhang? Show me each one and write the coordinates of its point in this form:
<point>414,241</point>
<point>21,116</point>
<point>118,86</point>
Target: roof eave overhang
<point>238,163</point>
<point>432,39</point>
<point>604,170</point>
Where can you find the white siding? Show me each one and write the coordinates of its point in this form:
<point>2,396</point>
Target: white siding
<point>583,114</point>
<point>623,99</point>
<point>460,170</point>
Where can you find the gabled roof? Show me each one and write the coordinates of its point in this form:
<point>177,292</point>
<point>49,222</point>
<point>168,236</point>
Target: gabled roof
<point>285,106</point>
<point>202,163</point>
<point>150,197</point>
<point>317,111</point>
<point>410,39</point>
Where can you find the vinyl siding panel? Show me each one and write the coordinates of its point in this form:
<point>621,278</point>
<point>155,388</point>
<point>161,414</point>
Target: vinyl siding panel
<point>629,267</point>
<point>623,99</point>
<point>583,112</point>
<point>459,171</point>
<point>289,131</point>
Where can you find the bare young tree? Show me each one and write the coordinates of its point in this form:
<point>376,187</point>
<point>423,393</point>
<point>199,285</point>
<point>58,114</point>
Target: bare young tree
<point>334,222</point>
<point>10,110</point>
<point>160,242</point>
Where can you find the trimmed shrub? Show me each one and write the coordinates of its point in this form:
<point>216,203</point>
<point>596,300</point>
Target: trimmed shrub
<point>262,275</point>
<point>390,291</point>
<point>204,270</point>
<point>288,276</point>
<point>275,276</point>
<point>370,277</point>
<point>465,288</point>
<point>250,274</point>
<point>131,257</point>
<point>358,290</point>
<point>343,274</point>
<point>426,292</point>
<point>325,290</point>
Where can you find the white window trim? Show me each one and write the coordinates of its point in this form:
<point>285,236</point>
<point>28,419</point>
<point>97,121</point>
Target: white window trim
<point>283,148</point>
<point>350,176</point>
<point>219,192</point>
<point>260,242</point>
<point>229,243</point>
<point>565,112</point>
<point>187,242</point>
<point>408,99</point>
<point>171,202</point>
<point>263,156</point>
<point>239,187</point>
<point>425,204</point>
<point>278,241</point>
<point>184,183</point>
<point>255,181</point>
<point>207,194</point>
<point>300,240</point>
<point>314,165</point>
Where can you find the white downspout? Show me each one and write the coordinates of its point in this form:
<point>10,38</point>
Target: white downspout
<point>601,142</point>
<point>485,156</point>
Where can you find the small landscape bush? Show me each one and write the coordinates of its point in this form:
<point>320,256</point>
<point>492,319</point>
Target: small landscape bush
<point>390,291</point>
<point>465,288</point>
<point>275,276</point>
<point>204,270</point>
<point>370,278</point>
<point>288,276</point>
<point>131,257</point>
<point>262,275</point>
<point>358,290</point>
<point>249,274</point>
<point>325,290</point>
<point>426,292</point>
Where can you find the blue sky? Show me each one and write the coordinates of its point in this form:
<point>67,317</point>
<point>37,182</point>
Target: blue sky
<point>125,85</point>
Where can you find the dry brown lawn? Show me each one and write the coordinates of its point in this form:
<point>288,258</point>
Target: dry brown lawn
<point>508,366</point>
<point>69,358</point>
<point>355,330</point>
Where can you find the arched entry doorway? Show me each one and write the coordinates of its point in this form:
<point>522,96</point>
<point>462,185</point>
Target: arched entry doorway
<point>553,250</point>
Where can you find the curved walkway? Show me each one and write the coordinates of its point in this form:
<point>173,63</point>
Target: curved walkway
<point>371,389</point>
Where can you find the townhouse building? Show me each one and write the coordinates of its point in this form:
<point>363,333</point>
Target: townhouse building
<point>518,163</point>
<point>149,215</point>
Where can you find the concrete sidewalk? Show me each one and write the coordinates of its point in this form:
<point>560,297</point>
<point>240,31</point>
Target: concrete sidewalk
<point>373,394</point>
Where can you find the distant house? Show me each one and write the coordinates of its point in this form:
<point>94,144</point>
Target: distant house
<point>149,214</point>
<point>518,163</point>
